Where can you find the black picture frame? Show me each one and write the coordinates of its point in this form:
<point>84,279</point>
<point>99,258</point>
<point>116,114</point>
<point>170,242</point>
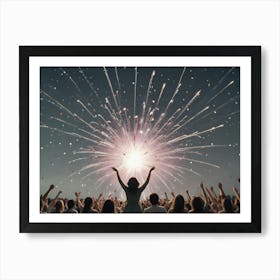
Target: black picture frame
<point>254,52</point>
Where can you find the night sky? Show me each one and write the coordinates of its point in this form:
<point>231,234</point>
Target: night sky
<point>183,121</point>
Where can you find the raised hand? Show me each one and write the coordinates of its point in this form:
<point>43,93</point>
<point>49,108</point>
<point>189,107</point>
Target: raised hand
<point>45,202</point>
<point>119,178</point>
<point>147,180</point>
<point>188,195</point>
<point>220,186</point>
<point>204,193</point>
<point>47,192</point>
<point>99,196</point>
<point>77,194</point>
<point>213,192</point>
<point>236,192</point>
<point>53,202</point>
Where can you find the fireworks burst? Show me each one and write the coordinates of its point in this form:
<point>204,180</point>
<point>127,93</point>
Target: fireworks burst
<point>156,123</point>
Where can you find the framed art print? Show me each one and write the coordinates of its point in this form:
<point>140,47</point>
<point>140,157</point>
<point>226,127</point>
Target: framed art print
<point>140,138</point>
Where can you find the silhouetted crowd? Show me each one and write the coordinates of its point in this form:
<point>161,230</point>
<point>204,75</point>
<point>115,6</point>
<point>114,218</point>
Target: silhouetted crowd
<point>210,201</point>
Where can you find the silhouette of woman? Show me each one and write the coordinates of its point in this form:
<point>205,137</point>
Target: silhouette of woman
<point>133,192</point>
<point>178,205</point>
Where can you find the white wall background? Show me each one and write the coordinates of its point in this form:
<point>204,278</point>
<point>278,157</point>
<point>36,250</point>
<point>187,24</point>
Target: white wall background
<point>139,256</point>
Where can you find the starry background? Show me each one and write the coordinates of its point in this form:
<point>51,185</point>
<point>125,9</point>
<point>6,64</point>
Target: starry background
<point>69,84</point>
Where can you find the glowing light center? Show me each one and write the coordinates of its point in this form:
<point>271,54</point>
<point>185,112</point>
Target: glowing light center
<point>134,159</point>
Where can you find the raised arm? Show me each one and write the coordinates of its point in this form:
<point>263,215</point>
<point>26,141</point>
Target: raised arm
<point>214,193</point>
<point>237,194</point>
<point>166,196</point>
<point>210,195</point>
<point>188,196</point>
<point>99,196</point>
<point>204,193</point>
<point>142,188</point>
<point>236,191</point>
<point>47,192</point>
<point>119,178</point>
<point>78,201</point>
<point>53,202</point>
<point>222,193</point>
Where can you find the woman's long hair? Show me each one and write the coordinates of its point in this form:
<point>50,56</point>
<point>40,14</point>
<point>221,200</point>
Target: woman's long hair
<point>133,185</point>
<point>197,204</point>
<point>178,205</point>
<point>108,206</point>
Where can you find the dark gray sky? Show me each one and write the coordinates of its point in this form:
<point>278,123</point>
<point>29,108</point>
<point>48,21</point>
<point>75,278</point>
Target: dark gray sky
<point>76,122</point>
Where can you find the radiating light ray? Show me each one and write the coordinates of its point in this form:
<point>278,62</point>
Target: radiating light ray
<point>135,91</point>
<point>117,77</point>
<point>69,111</point>
<point>78,159</point>
<point>232,114</point>
<point>160,94</point>
<point>196,95</point>
<point>204,147</point>
<point>111,88</point>
<point>171,101</point>
<point>217,109</point>
<point>162,181</point>
<point>149,88</point>
<point>85,107</point>
<point>89,83</point>
<point>221,91</point>
<point>180,126</point>
<point>71,79</point>
<point>91,165</point>
<point>167,123</point>
<point>225,104</point>
<point>203,162</point>
<point>222,79</point>
<point>68,133</point>
<point>80,129</point>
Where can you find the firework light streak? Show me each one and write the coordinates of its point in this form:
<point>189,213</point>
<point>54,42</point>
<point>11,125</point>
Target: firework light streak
<point>131,140</point>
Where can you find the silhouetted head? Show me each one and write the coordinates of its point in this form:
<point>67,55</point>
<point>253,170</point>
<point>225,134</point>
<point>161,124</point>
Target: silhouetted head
<point>59,206</point>
<point>88,203</point>
<point>71,203</point>
<point>178,204</point>
<point>133,184</point>
<point>197,204</point>
<point>227,205</point>
<point>154,199</point>
<point>108,206</point>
